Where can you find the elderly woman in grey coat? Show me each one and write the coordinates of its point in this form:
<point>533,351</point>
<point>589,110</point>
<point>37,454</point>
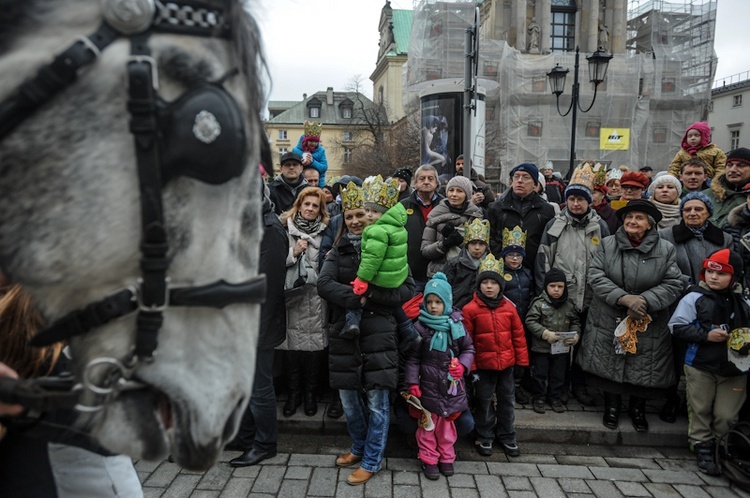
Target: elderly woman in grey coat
<point>634,274</point>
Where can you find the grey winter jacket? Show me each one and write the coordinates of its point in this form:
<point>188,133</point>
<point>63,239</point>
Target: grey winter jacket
<point>306,312</point>
<point>691,251</point>
<point>649,270</point>
<point>432,238</point>
<point>568,245</point>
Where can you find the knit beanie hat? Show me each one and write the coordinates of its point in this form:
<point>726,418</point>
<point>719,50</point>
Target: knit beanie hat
<point>439,286</point>
<point>491,268</point>
<point>404,173</point>
<point>556,275</point>
<point>529,168</point>
<point>741,155</point>
<point>541,181</point>
<point>661,179</point>
<point>700,196</point>
<point>461,182</point>
<point>723,260</point>
<point>578,189</point>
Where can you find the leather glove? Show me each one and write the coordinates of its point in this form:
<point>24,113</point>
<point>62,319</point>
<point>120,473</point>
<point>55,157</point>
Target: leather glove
<point>456,369</point>
<point>637,304</point>
<point>452,240</point>
<point>415,391</point>
<point>550,336</point>
<point>572,341</point>
<point>359,287</point>
<point>447,229</point>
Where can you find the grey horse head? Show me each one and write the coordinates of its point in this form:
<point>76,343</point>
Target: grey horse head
<point>70,229</point>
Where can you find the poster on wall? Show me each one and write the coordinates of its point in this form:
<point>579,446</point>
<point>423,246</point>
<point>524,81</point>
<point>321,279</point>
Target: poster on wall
<point>614,139</point>
<point>440,135</point>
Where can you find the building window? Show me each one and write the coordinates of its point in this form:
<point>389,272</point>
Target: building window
<point>710,106</point>
<point>737,101</point>
<point>592,129</point>
<point>315,112</point>
<point>734,139</point>
<point>380,95</point>
<point>659,135</point>
<point>346,112</point>
<point>283,135</point>
<point>668,85</point>
<point>534,129</point>
<point>347,155</point>
<point>283,150</point>
<point>539,84</point>
<point>563,32</point>
<point>348,136</point>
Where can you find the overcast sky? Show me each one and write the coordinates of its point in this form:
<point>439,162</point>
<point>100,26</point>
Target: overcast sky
<point>313,45</point>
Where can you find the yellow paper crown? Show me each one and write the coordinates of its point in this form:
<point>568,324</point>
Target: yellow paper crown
<point>600,175</point>
<point>313,128</point>
<point>489,263</point>
<point>477,230</point>
<point>381,193</point>
<point>515,237</point>
<point>583,175</point>
<point>351,197</point>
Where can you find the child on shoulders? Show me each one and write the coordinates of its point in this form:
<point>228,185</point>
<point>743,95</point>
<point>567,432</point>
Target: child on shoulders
<point>434,372</point>
<point>697,143</point>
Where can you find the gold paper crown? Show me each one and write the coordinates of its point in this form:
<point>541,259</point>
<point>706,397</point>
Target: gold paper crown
<point>515,237</point>
<point>313,128</point>
<point>600,175</point>
<point>351,197</point>
<point>489,263</point>
<point>583,175</point>
<point>477,230</point>
<point>382,193</point>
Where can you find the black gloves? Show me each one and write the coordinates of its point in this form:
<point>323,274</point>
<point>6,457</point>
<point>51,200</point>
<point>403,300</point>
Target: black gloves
<point>452,237</point>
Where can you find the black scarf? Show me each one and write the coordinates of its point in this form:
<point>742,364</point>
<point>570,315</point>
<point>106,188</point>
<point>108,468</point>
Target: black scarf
<point>457,210</point>
<point>710,232</point>
<point>491,302</point>
<point>556,275</point>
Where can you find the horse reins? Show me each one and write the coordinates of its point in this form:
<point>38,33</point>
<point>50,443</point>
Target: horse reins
<point>152,294</point>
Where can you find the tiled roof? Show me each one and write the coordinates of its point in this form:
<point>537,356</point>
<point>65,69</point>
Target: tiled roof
<point>298,113</point>
<point>281,104</point>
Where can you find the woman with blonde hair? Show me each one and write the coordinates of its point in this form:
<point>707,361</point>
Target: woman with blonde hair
<point>306,312</point>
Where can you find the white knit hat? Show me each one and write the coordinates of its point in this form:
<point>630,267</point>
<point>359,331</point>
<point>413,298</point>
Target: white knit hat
<point>661,179</point>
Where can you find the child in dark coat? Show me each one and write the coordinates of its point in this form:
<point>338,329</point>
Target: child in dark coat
<point>551,312</point>
<point>434,373</point>
<point>712,320</point>
<point>461,271</point>
<point>497,332</point>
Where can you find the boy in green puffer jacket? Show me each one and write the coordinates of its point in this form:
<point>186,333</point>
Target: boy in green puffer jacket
<point>383,253</point>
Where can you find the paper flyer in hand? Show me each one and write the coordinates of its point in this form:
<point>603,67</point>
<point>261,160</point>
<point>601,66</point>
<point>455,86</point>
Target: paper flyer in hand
<point>737,348</point>
<point>559,347</point>
<point>425,419</point>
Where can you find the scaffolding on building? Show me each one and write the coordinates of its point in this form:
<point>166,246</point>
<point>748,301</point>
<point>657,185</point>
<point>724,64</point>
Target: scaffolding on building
<point>660,85</point>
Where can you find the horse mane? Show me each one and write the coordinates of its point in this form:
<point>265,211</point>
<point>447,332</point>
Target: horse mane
<point>19,321</point>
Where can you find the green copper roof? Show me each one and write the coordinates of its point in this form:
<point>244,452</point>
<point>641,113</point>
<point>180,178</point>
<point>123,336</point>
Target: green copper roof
<point>402,29</point>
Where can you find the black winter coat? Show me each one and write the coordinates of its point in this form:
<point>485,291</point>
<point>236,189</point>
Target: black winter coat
<point>519,289</point>
<point>369,361</point>
<point>462,277</point>
<point>273,251</point>
<point>283,195</point>
<point>415,224</point>
<point>506,212</point>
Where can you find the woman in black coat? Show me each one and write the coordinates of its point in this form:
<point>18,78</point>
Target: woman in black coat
<point>368,363</point>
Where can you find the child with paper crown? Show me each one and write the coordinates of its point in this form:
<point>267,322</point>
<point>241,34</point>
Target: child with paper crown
<point>497,332</point>
<point>461,271</point>
<point>712,319</point>
<point>434,373</point>
<point>550,313</point>
<point>697,143</point>
<point>383,253</point>
<point>311,150</point>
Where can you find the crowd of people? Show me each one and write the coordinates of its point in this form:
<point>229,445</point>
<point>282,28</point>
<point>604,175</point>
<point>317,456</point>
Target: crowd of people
<point>429,299</point>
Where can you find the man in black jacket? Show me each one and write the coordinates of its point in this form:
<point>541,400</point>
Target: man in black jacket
<point>285,188</point>
<point>522,207</point>
<point>418,206</point>
<point>259,431</point>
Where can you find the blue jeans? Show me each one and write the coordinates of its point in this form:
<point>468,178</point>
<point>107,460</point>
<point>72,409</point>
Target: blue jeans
<point>491,424</point>
<point>259,428</point>
<point>369,434</point>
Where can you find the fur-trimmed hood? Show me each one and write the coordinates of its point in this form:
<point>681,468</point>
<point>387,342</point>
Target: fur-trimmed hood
<point>722,190</point>
<point>738,217</point>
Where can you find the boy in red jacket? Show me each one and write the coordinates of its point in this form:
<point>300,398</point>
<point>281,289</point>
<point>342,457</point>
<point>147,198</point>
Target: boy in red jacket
<point>499,341</point>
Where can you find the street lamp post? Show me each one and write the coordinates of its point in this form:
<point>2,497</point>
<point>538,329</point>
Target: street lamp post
<point>598,63</point>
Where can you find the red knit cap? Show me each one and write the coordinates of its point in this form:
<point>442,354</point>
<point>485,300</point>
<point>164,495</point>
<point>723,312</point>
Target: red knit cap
<point>722,260</point>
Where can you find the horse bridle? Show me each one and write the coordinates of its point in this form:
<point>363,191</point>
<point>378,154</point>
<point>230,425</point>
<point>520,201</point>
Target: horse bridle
<point>217,124</point>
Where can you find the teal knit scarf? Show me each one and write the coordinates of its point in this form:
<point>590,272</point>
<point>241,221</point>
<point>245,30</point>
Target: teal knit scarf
<point>442,325</point>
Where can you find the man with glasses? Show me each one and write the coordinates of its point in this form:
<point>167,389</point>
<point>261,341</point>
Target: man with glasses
<point>634,184</point>
<point>726,189</point>
<point>520,206</point>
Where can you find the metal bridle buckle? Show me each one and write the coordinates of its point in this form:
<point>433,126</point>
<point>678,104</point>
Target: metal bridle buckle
<point>115,380</point>
<point>152,66</point>
<point>153,308</point>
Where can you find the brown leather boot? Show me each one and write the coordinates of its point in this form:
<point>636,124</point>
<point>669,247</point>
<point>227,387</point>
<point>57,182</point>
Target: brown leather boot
<point>348,460</point>
<point>359,476</point>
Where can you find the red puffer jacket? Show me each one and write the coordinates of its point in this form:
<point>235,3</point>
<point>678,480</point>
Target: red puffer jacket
<point>497,333</point>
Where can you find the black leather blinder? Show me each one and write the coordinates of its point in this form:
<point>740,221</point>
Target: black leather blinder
<point>203,136</point>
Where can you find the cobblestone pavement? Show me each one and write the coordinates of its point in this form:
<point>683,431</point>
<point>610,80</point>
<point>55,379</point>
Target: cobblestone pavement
<point>305,466</point>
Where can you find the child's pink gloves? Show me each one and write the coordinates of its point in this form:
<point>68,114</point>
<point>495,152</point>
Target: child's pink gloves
<point>415,391</point>
<point>359,287</point>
